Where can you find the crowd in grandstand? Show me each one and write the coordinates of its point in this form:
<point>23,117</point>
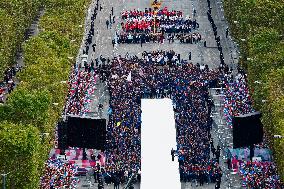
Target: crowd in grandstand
<point>260,175</point>
<point>81,87</point>
<point>58,174</point>
<point>237,99</point>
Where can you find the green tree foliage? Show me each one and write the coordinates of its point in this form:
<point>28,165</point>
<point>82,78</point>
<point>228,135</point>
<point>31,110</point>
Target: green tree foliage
<point>261,23</point>
<point>30,108</point>
<point>15,17</point>
<point>20,149</point>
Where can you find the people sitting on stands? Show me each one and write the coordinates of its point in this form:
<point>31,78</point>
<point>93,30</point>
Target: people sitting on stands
<point>260,175</point>
<point>58,174</point>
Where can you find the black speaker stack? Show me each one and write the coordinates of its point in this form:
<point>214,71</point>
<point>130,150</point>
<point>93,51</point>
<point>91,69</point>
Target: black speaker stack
<point>247,130</point>
<point>82,133</point>
<point>62,135</point>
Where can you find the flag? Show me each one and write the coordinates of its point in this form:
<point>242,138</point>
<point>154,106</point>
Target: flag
<point>129,77</point>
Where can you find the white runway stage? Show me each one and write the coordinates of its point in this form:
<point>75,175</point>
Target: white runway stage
<point>158,137</point>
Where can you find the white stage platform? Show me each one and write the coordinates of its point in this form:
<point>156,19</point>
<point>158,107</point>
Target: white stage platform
<point>158,137</point>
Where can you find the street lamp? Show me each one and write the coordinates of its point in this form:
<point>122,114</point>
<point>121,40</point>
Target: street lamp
<point>257,82</point>
<point>4,179</point>
<point>44,134</point>
<point>278,136</point>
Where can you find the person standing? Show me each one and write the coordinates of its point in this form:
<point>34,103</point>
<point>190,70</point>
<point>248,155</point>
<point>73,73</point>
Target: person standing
<point>189,56</point>
<point>94,47</point>
<point>229,162</point>
<point>218,183</point>
<point>227,32</point>
<point>141,40</point>
<point>113,43</point>
<point>116,181</point>
<point>172,154</point>
<point>213,150</point>
<point>107,23</point>
<point>218,151</point>
<point>113,19</point>
<point>96,174</point>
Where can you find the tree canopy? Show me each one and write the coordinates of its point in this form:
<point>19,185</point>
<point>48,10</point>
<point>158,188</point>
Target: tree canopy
<point>30,109</point>
<point>261,23</point>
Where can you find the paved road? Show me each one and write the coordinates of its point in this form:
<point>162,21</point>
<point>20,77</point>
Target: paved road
<point>200,54</point>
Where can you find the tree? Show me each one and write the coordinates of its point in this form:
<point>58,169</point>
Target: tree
<point>20,149</point>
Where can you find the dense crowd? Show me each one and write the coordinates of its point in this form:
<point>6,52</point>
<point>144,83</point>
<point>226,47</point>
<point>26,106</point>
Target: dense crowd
<point>211,172</point>
<point>58,174</point>
<point>162,58</point>
<point>149,25</point>
<point>185,84</point>
<point>260,175</point>
<point>81,87</point>
<point>137,38</point>
<point>163,20</point>
<point>237,99</point>
<point>160,74</point>
<point>142,38</point>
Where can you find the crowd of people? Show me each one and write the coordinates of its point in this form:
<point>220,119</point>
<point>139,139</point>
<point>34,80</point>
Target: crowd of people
<point>159,74</point>
<point>260,175</point>
<point>237,100</point>
<point>8,84</point>
<point>58,174</point>
<point>162,58</point>
<point>149,25</point>
<point>136,38</point>
<point>185,84</point>
<point>209,173</point>
<point>188,38</point>
<point>81,87</point>
<point>163,19</point>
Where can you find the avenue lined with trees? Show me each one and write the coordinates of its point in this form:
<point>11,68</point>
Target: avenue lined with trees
<point>31,112</point>
<point>34,107</point>
<point>258,28</point>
